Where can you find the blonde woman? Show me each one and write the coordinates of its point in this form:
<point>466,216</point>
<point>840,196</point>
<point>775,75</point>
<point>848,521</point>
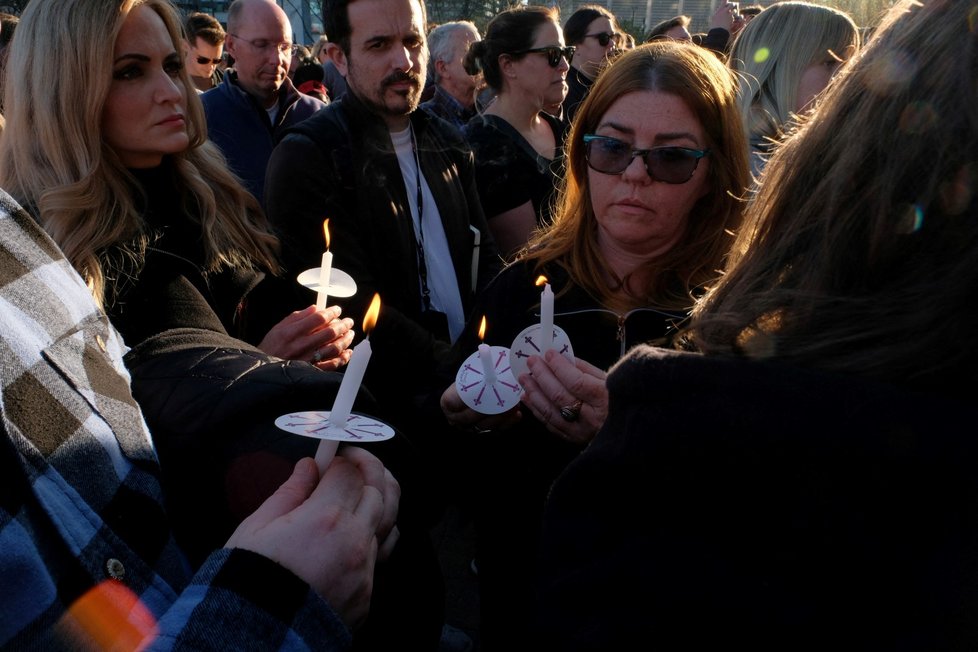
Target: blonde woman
<point>87,521</point>
<point>117,168</point>
<point>115,165</point>
<point>784,58</point>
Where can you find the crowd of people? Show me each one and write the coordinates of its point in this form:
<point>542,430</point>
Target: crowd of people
<point>757,245</point>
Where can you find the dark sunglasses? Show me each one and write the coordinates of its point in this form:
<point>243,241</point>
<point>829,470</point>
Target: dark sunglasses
<point>605,37</point>
<point>554,53</point>
<point>204,61</point>
<point>667,164</point>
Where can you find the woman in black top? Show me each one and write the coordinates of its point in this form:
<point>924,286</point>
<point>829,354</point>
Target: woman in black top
<point>518,146</point>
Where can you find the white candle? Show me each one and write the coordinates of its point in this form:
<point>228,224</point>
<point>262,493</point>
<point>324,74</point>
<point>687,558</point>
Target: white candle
<point>325,453</point>
<point>488,368</point>
<point>325,271</point>
<point>546,318</point>
<point>350,385</point>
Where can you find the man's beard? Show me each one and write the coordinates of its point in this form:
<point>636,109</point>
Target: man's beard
<point>377,103</point>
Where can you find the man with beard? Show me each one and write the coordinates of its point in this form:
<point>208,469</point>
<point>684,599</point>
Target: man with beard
<point>405,221</point>
<point>397,187</point>
<point>254,105</point>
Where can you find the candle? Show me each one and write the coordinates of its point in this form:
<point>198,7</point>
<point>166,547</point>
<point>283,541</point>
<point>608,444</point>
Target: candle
<point>353,375</point>
<point>485,355</point>
<point>546,315</point>
<point>325,270</point>
<point>325,453</point>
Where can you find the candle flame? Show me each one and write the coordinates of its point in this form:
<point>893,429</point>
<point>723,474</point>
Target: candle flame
<point>541,280</point>
<point>326,232</point>
<point>482,328</point>
<point>373,312</point>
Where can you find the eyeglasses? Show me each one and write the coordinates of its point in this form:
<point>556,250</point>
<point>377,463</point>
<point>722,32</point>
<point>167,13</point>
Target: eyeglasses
<point>205,61</point>
<point>667,164</point>
<point>264,45</point>
<point>605,37</point>
<point>554,53</point>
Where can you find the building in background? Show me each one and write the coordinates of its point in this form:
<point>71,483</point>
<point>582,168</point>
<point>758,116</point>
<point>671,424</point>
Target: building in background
<point>636,16</point>
<point>305,15</point>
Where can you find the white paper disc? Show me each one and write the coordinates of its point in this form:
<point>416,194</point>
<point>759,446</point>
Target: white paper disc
<point>525,345</point>
<point>492,398</point>
<point>341,284</point>
<point>358,429</point>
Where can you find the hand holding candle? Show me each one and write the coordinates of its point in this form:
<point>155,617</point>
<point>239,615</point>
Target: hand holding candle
<point>353,376</point>
<point>484,382</point>
<point>325,268</point>
<point>338,425</point>
<point>537,339</point>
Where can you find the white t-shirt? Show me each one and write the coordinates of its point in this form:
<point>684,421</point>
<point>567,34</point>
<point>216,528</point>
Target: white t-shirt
<point>438,260</point>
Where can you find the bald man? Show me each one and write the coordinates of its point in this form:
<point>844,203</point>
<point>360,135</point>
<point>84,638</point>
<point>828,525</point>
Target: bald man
<point>248,112</point>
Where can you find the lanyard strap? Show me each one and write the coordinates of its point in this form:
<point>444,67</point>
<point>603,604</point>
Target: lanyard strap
<point>419,237</point>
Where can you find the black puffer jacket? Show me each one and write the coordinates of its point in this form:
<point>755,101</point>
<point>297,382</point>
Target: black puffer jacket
<point>211,402</point>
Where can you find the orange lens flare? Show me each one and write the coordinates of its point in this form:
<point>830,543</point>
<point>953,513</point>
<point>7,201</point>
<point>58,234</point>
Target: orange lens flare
<point>108,617</point>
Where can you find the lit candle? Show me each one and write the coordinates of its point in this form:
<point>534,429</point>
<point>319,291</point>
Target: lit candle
<point>353,375</point>
<point>546,315</point>
<point>485,355</point>
<point>325,270</point>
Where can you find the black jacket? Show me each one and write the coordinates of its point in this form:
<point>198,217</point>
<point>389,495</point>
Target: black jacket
<point>730,503</point>
<point>511,471</point>
<point>340,164</point>
<point>211,402</point>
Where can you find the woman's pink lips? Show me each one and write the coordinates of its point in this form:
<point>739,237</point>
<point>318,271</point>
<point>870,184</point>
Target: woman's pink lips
<point>631,206</point>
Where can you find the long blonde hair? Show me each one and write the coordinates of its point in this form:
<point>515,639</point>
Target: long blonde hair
<point>772,51</point>
<point>53,158</point>
<point>862,254</point>
<point>706,86</point>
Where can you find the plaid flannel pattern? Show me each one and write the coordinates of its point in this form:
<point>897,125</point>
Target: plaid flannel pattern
<point>86,552</point>
<point>446,107</point>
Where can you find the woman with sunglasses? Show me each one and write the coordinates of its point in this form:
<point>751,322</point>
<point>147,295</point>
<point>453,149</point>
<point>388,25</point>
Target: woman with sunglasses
<point>656,166</point>
<point>594,33</point>
<point>518,145</point>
